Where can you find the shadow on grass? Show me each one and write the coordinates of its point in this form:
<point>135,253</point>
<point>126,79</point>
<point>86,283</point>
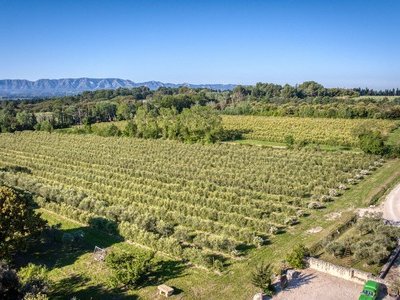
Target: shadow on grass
<point>164,271</point>
<point>57,247</point>
<point>246,248</point>
<point>83,289</point>
<point>234,134</point>
<point>16,169</point>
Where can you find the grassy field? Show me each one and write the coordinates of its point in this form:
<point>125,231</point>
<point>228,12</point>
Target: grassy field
<point>85,278</point>
<point>284,146</point>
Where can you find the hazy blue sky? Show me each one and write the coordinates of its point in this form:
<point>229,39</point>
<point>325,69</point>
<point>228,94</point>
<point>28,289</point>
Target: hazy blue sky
<point>337,43</point>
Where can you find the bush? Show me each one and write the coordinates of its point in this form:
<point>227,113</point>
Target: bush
<point>262,278</point>
<point>44,126</point>
<point>35,280</point>
<point>315,205</point>
<point>296,258</point>
<point>372,142</point>
<point>111,130</point>
<point>218,265</point>
<point>260,241</point>
<point>336,249</point>
<point>129,269</point>
<point>30,283</point>
<point>289,141</point>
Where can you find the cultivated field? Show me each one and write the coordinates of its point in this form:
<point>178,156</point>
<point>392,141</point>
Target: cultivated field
<point>337,132</point>
<point>174,197</point>
<point>210,204</point>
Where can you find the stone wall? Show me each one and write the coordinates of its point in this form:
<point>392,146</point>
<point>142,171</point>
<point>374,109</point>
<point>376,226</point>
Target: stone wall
<point>341,272</point>
<point>392,258</point>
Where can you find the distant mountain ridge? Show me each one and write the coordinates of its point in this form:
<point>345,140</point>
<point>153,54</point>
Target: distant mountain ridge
<point>71,86</point>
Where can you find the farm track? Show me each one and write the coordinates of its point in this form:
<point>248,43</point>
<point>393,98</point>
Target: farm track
<point>391,210</point>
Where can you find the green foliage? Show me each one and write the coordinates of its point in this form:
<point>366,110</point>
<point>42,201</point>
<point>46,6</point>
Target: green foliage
<point>200,124</point>
<point>296,258</point>
<point>262,278</point>
<point>178,102</point>
<point>125,111</point>
<point>18,220</point>
<point>130,129</point>
<point>336,249</point>
<point>289,140</point>
<point>31,282</point>
<point>196,124</point>
<point>25,120</point>
<point>129,269</point>
<point>33,272</point>
<point>44,126</point>
<point>146,124</point>
<point>110,130</point>
<point>309,99</point>
<point>34,280</point>
<point>372,142</point>
<point>169,124</point>
<point>370,240</point>
<point>105,111</point>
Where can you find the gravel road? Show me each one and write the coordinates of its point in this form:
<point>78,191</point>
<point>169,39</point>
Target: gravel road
<point>391,209</point>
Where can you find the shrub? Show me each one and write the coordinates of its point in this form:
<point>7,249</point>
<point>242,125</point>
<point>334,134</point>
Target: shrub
<point>111,130</point>
<point>262,278</point>
<point>274,230</point>
<point>44,126</point>
<point>35,280</point>
<point>372,142</point>
<point>129,269</point>
<point>289,141</point>
<point>218,265</point>
<point>296,258</point>
<point>291,221</point>
<point>336,249</point>
<point>260,241</point>
<point>315,205</point>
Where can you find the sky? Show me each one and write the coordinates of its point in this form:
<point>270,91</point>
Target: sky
<point>337,43</point>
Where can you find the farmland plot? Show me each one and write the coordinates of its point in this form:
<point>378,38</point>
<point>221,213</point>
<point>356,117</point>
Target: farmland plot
<point>313,130</point>
<point>190,201</point>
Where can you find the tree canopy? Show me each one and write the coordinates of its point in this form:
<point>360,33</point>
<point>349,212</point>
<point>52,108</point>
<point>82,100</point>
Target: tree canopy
<point>18,220</point>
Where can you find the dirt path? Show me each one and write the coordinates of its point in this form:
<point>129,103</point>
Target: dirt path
<point>391,209</point>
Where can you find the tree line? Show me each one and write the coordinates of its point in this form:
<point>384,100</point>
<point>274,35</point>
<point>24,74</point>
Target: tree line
<point>341,110</point>
<point>308,99</point>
